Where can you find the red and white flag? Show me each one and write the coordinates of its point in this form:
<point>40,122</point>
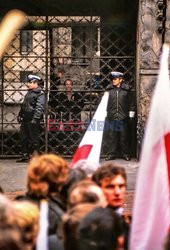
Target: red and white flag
<point>151,212</point>
<point>90,145</point>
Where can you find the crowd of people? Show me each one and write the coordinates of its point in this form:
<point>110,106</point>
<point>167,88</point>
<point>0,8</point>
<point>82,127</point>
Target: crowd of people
<point>85,209</point>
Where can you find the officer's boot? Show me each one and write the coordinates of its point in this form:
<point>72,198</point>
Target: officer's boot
<point>24,158</point>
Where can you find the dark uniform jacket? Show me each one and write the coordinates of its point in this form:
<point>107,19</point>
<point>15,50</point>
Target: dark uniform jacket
<point>120,102</point>
<point>33,105</point>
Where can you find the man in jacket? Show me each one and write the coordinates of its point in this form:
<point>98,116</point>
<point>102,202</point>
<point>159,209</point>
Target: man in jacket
<point>70,103</point>
<point>112,179</point>
<point>120,107</point>
<point>30,115</point>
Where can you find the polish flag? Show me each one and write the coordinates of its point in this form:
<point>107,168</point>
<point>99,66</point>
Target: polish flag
<point>90,145</point>
<point>151,212</point>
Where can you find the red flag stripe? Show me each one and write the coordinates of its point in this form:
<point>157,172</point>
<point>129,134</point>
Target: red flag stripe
<point>81,153</point>
<point>167,147</point>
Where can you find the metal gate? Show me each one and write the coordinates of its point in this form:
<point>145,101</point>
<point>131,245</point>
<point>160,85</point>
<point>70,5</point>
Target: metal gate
<point>85,49</point>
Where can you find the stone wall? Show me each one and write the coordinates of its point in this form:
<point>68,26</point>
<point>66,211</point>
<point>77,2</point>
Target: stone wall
<point>153,30</point>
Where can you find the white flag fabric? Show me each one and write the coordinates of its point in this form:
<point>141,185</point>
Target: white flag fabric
<point>151,212</point>
<point>90,145</point>
<point>42,239</point>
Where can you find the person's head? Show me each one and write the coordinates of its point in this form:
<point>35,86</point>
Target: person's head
<point>10,239</point>
<point>112,179</point>
<point>100,229</point>
<point>87,166</point>
<point>68,85</point>
<point>34,81</point>
<point>46,175</point>
<point>60,72</point>
<point>70,223</point>
<point>26,217</point>
<point>86,191</point>
<point>117,78</point>
<point>74,176</point>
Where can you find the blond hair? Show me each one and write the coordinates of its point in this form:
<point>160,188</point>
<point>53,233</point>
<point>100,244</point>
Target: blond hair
<point>26,217</point>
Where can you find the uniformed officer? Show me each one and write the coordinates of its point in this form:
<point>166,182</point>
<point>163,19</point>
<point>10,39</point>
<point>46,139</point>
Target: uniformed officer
<point>120,107</point>
<point>30,115</point>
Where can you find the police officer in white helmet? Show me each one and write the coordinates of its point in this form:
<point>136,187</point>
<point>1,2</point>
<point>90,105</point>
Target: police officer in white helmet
<point>30,115</point>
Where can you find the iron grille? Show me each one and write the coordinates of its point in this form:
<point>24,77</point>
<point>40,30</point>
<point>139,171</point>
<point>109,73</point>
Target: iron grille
<point>86,49</point>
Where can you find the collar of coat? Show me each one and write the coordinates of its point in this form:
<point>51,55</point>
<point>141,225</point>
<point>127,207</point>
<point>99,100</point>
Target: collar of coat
<point>123,86</point>
<point>37,90</point>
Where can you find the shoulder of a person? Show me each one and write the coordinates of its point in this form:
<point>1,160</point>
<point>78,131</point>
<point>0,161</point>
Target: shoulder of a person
<point>77,94</point>
<point>61,94</point>
<point>38,91</point>
<point>125,86</point>
<point>27,197</point>
<point>41,91</point>
<point>56,205</point>
<point>109,87</point>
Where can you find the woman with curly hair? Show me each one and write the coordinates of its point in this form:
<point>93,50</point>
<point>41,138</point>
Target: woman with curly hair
<point>46,175</point>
